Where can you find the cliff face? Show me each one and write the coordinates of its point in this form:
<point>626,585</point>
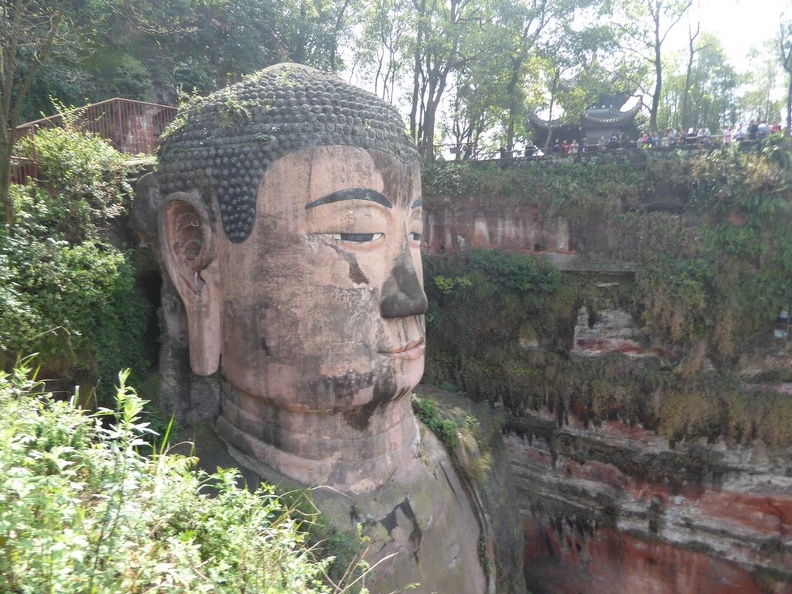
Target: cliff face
<point>645,461</point>
<point>615,509</point>
<point>493,225</point>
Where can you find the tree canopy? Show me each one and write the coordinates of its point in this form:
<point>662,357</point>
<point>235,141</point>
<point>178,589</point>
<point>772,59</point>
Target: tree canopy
<point>463,73</point>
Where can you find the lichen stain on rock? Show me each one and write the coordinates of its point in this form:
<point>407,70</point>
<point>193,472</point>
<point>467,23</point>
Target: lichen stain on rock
<point>608,514</point>
<point>396,518</point>
<point>359,417</point>
<point>562,560</point>
<point>356,275</point>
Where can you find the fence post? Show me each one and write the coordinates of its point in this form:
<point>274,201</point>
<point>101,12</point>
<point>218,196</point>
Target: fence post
<point>120,115</point>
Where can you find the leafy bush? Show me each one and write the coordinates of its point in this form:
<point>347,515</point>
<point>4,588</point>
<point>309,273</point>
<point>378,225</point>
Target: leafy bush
<point>517,272</point>
<point>75,304</point>
<point>66,291</point>
<point>85,182</point>
<point>83,510</point>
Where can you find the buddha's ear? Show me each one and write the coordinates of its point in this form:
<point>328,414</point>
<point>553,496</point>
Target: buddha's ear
<point>187,237</point>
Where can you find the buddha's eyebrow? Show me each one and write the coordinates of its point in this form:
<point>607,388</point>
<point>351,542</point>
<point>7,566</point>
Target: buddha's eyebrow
<point>352,194</point>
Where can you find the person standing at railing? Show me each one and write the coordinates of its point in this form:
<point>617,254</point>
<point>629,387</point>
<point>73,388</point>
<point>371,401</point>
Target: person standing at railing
<point>727,136</point>
<point>705,137</point>
<point>530,149</point>
<point>762,130</point>
<point>654,139</point>
<point>753,130</point>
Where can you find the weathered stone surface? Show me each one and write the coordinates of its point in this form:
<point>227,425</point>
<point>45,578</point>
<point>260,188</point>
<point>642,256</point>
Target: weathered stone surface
<point>614,509</point>
<point>483,462</point>
<point>420,525</point>
<point>290,228</point>
<point>609,331</point>
<point>510,228</point>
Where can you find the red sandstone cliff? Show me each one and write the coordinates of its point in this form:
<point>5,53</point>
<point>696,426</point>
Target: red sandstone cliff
<point>615,508</point>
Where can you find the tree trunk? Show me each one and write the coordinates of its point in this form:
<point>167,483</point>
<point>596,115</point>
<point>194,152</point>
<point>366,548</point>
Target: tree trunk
<point>657,89</point>
<point>414,132</point>
<point>511,90</point>
<point>686,106</point>
<point>789,107</point>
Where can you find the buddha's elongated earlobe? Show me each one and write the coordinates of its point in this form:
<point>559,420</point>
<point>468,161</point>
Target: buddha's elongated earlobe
<point>188,243</point>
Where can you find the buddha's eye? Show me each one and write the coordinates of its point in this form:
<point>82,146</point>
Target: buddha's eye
<point>355,237</point>
<point>416,236</point>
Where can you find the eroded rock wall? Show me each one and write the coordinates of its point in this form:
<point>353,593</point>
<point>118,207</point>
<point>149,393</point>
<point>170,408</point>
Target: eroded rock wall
<point>614,506</point>
<point>493,226</point>
<point>615,509</point>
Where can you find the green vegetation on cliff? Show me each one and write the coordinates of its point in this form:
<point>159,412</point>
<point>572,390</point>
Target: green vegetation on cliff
<point>67,284</point>
<point>706,238</point>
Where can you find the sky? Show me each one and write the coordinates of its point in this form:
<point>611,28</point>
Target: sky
<point>740,25</point>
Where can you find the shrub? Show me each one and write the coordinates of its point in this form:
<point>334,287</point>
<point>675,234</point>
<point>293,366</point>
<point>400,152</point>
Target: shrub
<point>75,304</point>
<point>66,291</point>
<point>85,181</point>
<point>428,412</point>
<point>83,510</point>
<point>517,272</point>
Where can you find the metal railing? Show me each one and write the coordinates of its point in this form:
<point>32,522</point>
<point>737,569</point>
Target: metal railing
<point>132,127</point>
<point>475,153</point>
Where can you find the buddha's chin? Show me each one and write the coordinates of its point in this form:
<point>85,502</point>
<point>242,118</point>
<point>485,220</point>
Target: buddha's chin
<point>388,380</point>
<point>408,373</point>
<point>389,384</point>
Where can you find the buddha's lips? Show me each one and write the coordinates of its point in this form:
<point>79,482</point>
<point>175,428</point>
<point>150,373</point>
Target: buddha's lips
<point>409,351</point>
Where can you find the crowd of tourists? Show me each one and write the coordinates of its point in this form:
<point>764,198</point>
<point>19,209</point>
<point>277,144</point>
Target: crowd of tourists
<point>757,130</point>
<point>701,137</point>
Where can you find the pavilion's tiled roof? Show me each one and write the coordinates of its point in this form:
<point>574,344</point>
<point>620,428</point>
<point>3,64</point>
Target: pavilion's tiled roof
<point>610,115</point>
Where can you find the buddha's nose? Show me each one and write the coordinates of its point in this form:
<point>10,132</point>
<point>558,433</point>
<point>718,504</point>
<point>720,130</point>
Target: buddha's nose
<point>402,294</point>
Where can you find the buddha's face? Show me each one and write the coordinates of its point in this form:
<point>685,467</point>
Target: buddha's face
<point>323,304</point>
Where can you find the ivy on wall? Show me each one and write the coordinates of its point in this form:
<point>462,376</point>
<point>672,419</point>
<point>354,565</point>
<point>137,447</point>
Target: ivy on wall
<point>707,235</point>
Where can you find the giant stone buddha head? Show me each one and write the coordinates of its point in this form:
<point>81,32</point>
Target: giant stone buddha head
<point>291,229</point>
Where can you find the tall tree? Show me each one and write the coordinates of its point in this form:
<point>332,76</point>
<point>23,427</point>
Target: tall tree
<point>580,70</point>
<point>231,38</point>
<point>381,49</point>
<point>312,30</point>
<point>646,25</point>
<point>703,94</point>
<point>566,37</point>
<point>525,24</point>
<point>760,100</point>
<point>712,86</point>
<point>785,53</point>
<point>477,105</point>
<point>447,36</point>
<point>29,30</point>
<point>693,34</point>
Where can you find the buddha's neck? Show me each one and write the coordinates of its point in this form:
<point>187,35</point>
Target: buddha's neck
<point>353,451</point>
